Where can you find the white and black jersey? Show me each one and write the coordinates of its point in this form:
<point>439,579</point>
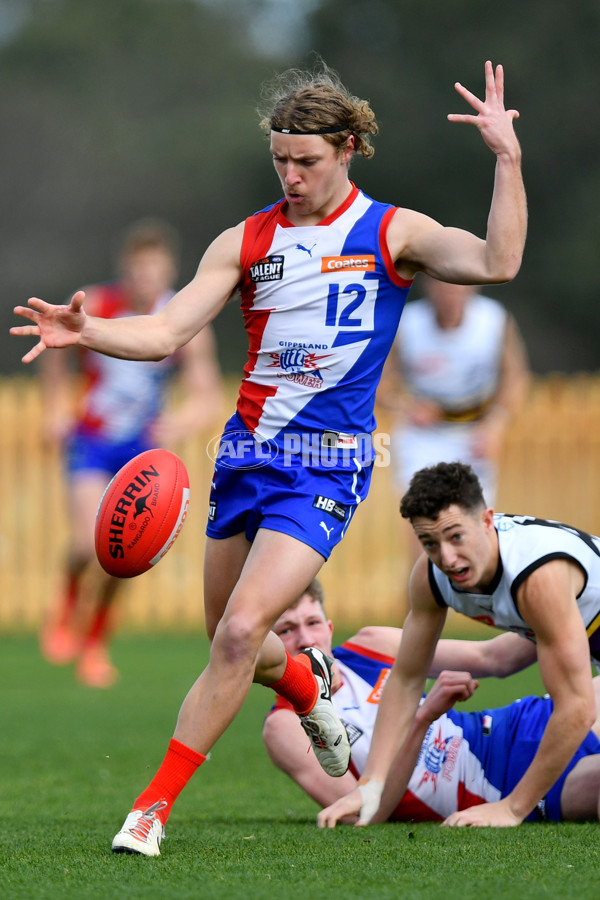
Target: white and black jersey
<point>526,543</point>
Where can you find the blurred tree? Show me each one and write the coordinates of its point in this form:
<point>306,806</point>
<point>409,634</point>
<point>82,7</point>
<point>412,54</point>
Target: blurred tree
<point>112,111</point>
<point>406,57</point>
<point>122,108</point>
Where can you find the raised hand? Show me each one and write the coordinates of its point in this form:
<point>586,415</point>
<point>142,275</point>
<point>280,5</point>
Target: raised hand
<point>450,688</point>
<point>56,326</point>
<point>493,121</point>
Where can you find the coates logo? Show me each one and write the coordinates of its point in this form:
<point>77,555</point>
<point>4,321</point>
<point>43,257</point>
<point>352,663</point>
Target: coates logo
<point>364,263</point>
<point>240,450</point>
<point>268,269</point>
<point>375,695</point>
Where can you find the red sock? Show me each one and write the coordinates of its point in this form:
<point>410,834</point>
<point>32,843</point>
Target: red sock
<point>69,599</point>
<point>175,771</point>
<point>100,626</point>
<point>298,685</point>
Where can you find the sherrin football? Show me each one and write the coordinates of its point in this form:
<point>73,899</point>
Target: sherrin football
<point>141,513</point>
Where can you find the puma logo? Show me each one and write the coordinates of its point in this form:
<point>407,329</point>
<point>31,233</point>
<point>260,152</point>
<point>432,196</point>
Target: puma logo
<point>326,529</point>
<point>308,250</point>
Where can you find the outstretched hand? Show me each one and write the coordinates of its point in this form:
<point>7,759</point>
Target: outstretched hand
<point>494,122</point>
<point>359,806</point>
<point>496,815</point>
<point>56,326</point>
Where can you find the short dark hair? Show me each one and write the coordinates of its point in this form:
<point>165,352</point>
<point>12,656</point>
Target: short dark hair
<point>150,233</point>
<point>437,487</point>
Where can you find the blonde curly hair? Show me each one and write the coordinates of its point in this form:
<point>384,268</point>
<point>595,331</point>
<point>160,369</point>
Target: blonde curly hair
<point>309,102</point>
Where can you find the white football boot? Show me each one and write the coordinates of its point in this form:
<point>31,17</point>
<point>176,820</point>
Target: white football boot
<point>322,724</point>
<point>142,832</point>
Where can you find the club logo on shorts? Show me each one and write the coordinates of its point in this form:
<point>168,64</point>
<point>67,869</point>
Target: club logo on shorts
<point>268,269</point>
<point>331,507</point>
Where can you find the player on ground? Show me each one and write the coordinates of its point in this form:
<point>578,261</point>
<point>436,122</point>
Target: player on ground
<point>323,276</point>
<point>457,759</point>
<point>537,578</point>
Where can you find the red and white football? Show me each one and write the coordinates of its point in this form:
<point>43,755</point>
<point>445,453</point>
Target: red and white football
<point>141,513</point>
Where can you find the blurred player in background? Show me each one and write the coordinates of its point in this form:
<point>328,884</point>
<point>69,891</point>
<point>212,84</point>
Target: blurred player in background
<point>119,411</point>
<point>457,759</point>
<point>455,376</point>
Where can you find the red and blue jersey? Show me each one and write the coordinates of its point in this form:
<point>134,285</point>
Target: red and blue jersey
<point>321,305</point>
<point>121,397</point>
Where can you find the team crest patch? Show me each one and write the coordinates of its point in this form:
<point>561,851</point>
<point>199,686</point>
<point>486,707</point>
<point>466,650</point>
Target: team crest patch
<point>331,507</point>
<point>268,269</point>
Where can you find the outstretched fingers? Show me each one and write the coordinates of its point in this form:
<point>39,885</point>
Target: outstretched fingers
<point>495,82</point>
<point>26,312</point>
<point>56,326</point>
<point>489,116</point>
<point>349,805</point>
<point>77,301</point>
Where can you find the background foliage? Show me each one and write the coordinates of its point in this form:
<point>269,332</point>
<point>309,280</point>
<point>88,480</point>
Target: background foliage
<point>124,108</point>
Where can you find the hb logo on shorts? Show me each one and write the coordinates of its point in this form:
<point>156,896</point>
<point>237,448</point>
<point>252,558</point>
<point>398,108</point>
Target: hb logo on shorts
<point>332,507</point>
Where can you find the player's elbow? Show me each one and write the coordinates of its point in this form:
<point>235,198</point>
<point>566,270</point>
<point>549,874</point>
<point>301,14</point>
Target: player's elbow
<point>505,269</point>
<point>512,266</point>
<point>582,714</point>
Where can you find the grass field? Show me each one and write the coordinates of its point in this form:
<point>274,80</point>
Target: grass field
<point>72,761</point>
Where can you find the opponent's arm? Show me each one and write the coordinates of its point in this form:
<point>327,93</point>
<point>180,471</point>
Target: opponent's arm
<point>399,700</point>
<point>141,337</point>
<point>417,242</point>
<point>546,601</point>
<point>513,384</point>
<point>497,657</point>
<point>450,688</point>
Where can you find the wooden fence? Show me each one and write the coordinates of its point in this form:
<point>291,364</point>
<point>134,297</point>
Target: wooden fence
<point>550,467</point>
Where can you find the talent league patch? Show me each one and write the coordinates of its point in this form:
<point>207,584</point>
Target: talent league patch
<point>268,269</point>
<point>212,511</point>
<point>331,507</point>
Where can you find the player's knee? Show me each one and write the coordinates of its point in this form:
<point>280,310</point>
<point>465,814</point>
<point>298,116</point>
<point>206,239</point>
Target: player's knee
<point>238,637</point>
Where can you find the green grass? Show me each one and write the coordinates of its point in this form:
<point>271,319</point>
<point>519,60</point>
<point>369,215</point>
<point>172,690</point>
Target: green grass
<point>72,760</point>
